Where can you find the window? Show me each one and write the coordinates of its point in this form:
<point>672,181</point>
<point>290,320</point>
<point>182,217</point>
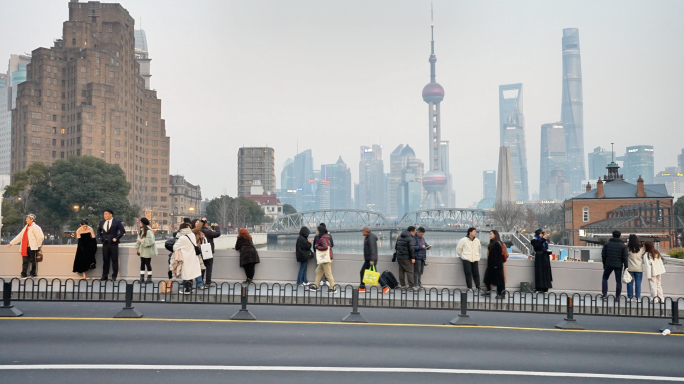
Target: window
<point>35,140</point>
<point>47,153</point>
<point>89,152</point>
<point>89,128</point>
<point>102,153</point>
<point>117,155</point>
<point>36,115</point>
<point>83,69</point>
<point>585,214</point>
<point>36,128</point>
<point>117,143</point>
<point>89,140</point>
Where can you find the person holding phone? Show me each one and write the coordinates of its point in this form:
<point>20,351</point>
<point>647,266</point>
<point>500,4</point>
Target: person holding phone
<point>420,247</point>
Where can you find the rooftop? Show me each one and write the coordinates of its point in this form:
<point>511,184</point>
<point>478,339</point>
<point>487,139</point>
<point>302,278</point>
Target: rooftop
<point>620,189</point>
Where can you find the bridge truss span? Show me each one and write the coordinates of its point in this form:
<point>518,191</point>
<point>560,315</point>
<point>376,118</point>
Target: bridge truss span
<point>335,220</point>
<point>446,218</point>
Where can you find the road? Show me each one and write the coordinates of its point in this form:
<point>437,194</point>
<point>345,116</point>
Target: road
<point>517,348</point>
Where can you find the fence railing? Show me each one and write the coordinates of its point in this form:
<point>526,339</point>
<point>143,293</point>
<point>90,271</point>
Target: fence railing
<point>70,290</point>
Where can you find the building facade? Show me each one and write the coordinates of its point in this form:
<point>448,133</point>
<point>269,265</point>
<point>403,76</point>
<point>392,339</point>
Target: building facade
<point>408,193</point>
<point>16,74</point>
<point>85,96</point>
<point>638,162</point>
<point>598,160</point>
<point>552,159</point>
<point>256,163</point>
<point>142,56</point>
<point>372,194</point>
<point>303,170</point>
<point>505,182</point>
<point>287,175</point>
<point>340,184</point>
<point>512,131</point>
<point>489,184</point>
<point>268,201</point>
<point>572,109</point>
<point>450,194</point>
<point>186,200</point>
<point>673,179</point>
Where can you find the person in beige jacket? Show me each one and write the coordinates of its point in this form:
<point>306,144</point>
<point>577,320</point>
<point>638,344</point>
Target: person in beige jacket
<point>653,270</point>
<point>468,249</point>
<point>31,239</point>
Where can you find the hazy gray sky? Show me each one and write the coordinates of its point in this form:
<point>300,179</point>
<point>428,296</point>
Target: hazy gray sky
<point>335,75</point>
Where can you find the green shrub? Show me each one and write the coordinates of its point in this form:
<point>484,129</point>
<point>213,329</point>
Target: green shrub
<point>677,253</point>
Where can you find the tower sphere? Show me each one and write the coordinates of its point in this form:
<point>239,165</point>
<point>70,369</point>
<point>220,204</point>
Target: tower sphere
<point>433,92</point>
<point>434,181</point>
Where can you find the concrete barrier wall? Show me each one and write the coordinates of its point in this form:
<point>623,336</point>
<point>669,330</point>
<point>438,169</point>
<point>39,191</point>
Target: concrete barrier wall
<point>282,267</point>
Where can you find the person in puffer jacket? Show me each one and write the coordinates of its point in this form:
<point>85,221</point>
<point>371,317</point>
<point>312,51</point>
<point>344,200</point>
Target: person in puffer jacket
<point>420,247</point>
<point>406,257</point>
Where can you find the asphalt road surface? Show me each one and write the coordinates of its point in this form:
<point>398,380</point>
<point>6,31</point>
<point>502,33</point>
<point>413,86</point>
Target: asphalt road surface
<point>67,343</point>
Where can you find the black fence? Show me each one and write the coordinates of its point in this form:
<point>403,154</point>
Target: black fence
<point>71,290</point>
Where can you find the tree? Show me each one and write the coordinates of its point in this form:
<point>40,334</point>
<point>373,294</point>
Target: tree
<point>240,212</point>
<point>218,211</point>
<point>679,206</point>
<point>507,216</point>
<point>288,209</point>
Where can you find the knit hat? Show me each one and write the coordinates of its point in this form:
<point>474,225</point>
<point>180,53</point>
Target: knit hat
<point>145,221</point>
<point>31,216</point>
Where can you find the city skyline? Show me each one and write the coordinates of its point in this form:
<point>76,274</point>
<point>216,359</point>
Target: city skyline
<point>346,61</point>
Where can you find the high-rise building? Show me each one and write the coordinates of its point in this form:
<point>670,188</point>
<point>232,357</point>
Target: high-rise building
<point>409,192</point>
<point>371,195</point>
<point>256,163</point>
<point>303,170</point>
<point>680,161</point>
<point>552,159</point>
<point>505,183</point>
<point>557,187</point>
<point>85,96</point>
<point>287,175</point>
<point>16,73</point>
<point>450,194</point>
<point>598,160</point>
<point>340,182</point>
<point>142,56</point>
<point>673,180</point>
<point>186,200</point>
<point>489,184</point>
<point>512,130</point>
<point>396,169</point>
<point>638,161</point>
<point>572,110</point>
<point>435,180</point>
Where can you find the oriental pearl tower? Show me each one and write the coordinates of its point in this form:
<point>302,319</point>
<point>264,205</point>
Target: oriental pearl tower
<point>435,180</point>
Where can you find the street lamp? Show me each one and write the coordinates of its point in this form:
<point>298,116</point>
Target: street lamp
<point>76,208</point>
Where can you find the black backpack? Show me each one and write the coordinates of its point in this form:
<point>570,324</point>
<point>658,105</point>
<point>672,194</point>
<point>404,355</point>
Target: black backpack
<point>169,244</point>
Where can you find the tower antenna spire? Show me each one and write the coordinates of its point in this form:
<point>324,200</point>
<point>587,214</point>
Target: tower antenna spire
<point>612,150</point>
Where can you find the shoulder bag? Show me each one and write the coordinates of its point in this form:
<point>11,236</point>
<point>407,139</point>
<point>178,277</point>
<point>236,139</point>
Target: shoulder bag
<point>206,250</point>
<point>198,250</point>
<point>504,251</point>
<point>626,277</point>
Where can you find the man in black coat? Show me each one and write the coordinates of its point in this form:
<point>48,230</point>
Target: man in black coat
<point>109,232</point>
<point>370,255</point>
<point>614,257</point>
<point>543,277</point>
<point>210,233</point>
<point>406,257</point>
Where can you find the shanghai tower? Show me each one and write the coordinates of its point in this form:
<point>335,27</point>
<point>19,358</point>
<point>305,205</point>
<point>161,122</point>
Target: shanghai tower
<point>571,110</point>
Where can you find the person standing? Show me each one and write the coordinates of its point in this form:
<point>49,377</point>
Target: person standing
<point>654,270</point>
<point>146,249</point>
<point>370,256</point>
<point>86,249</point>
<point>303,255</point>
<point>494,274</point>
<point>420,248</point>
<point>31,239</point>
<point>190,266</point>
<point>469,249</point>
<point>324,244</point>
<point>210,233</point>
<point>635,262</point>
<point>324,281</point>
<point>110,232</point>
<point>542,263</point>
<point>249,257</point>
<point>614,256</point>
<point>406,256</point>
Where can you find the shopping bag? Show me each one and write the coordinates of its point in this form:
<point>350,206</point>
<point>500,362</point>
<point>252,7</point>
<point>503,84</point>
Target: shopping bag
<point>370,276</point>
<point>626,277</point>
<point>206,251</point>
<point>165,286</point>
<point>323,257</point>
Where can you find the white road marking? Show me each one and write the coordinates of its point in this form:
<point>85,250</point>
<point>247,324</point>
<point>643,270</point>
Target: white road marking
<point>331,369</point>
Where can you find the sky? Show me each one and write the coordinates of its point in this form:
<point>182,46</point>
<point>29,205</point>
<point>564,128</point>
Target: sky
<point>334,75</point>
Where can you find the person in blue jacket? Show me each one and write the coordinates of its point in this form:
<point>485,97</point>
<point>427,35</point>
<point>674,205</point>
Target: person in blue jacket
<point>420,247</point>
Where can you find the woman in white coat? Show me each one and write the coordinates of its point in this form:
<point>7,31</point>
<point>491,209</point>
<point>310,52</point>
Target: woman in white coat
<point>653,271</point>
<point>190,270</point>
<point>31,239</point>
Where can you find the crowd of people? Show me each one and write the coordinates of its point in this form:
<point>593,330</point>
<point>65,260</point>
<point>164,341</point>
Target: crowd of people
<point>192,249</point>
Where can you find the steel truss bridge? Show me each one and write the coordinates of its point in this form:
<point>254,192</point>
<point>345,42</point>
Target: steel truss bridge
<point>352,220</point>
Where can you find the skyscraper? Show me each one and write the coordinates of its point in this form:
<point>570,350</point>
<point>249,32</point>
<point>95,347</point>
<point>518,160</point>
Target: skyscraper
<point>395,178</point>
<point>409,192</point>
<point>505,183</point>
<point>572,110</point>
<point>435,180</point>
<point>142,56</point>
<point>638,161</point>
<point>598,160</point>
<point>371,194</point>
<point>256,163</point>
<point>339,177</point>
<point>552,159</point>
<point>489,184</point>
<point>16,73</point>
<point>512,131</point>
<point>680,161</point>
<point>449,195</point>
<point>303,169</point>
<point>85,96</point>
<point>287,175</point>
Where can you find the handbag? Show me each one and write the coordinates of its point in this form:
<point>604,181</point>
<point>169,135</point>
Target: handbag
<point>371,276</point>
<point>206,250</point>
<point>311,255</point>
<point>165,286</point>
<point>626,277</point>
<point>323,257</point>
<point>505,252</point>
<point>39,255</point>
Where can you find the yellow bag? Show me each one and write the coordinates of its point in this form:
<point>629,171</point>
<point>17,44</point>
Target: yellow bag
<point>370,276</point>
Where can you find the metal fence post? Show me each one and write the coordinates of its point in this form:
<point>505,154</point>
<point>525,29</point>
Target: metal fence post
<point>569,322</point>
<point>243,313</point>
<point>7,309</point>
<point>463,318</point>
<point>128,312</point>
<point>354,316</point>
<point>674,326</point>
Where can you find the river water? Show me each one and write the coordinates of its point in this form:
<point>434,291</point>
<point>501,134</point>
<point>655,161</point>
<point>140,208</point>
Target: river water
<point>443,244</point>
